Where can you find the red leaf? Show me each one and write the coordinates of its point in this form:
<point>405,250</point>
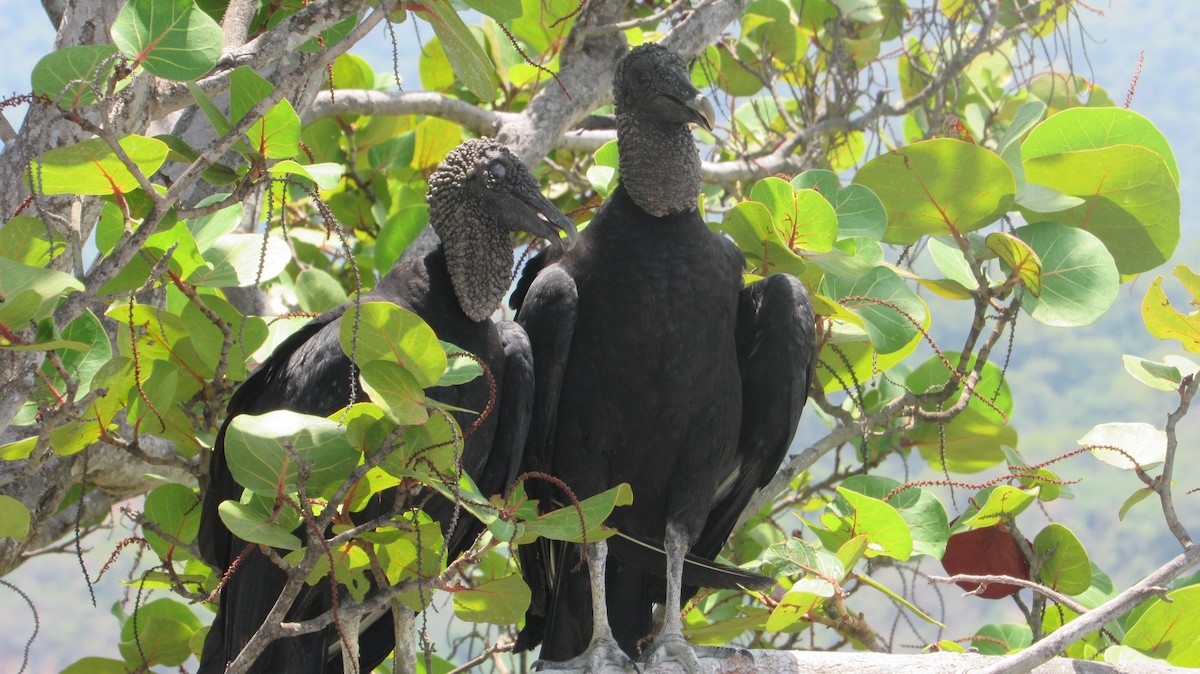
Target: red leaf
<point>990,551</point>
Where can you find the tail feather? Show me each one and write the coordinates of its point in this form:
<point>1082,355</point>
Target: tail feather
<point>697,571</point>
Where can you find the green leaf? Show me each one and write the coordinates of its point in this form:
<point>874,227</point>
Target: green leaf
<point>1019,259</point>
<point>1130,200</point>
<point>886,532</point>
<point>176,510</point>
<point>1134,499</point>
<point>1003,503</point>
<point>395,334</point>
<point>1170,630</point>
<point>879,297</point>
<point>938,187</point>
<point>605,172</point>
<point>460,369</point>
<point>563,524</point>
<point>1026,117</point>
<point>326,175</point>
<point>1079,276</point>
<point>72,76</point>
<point>30,293</point>
<point>173,39</point>
<point>470,63</point>
<point>1065,564</point>
<point>801,219</point>
<point>18,449</point>
<point>951,262</point>
<point>94,665</point>
<point>806,594</point>
<point>1161,376</point>
<point>91,167</point>
<point>859,211</point>
<point>1095,128</point>
<point>1144,443</point>
<point>318,291</point>
<point>393,387</point>
<point>29,241</point>
<point>1011,637</point>
<point>236,260</point>
<point>1164,321</point>
<point>277,134</point>
<point>500,10</point>
<point>158,633</point>
<point>921,511</point>
<point>991,387</point>
<point>14,519</point>
<point>262,451</point>
<point>500,602</point>
<point>250,525</point>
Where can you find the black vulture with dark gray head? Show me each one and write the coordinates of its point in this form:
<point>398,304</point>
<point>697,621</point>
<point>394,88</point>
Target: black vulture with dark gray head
<point>478,195</point>
<point>656,367</point>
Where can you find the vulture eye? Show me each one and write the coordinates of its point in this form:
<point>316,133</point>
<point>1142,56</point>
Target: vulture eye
<point>498,170</point>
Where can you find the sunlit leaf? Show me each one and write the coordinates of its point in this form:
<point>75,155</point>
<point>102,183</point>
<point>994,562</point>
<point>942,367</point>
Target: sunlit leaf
<point>91,167</point>
<point>1142,442</point>
<point>938,187</point>
<point>173,39</point>
<point>500,602</point>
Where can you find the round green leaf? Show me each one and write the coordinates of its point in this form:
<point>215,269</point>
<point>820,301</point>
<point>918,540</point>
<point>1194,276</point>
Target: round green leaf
<point>235,261</point>
<point>1003,638</point>
<point>970,442</point>
<point>1144,443</point>
<point>173,507</point>
<point>1003,503</point>
<point>1161,376</point>
<point>14,518</point>
<point>859,211</point>
<point>262,451</point>
<point>1065,564</point>
<point>169,38</point>
<point>938,187</point>
<point>251,524</point>
<point>886,531</point>
<point>71,76</point>
<point>30,293</point>
<point>500,602</point>
<point>1094,128</point>
<point>158,633</point>
<point>392,333</point>
<point>1130,200</point>
<point>318,291</point>
<point>1170,631</point>
<point>91,167</point>
<point>991,387</point>
<point>173,39</point>
<point>921,511</point>
<point>890,310</point>
<point>1079,277</point>
<point>393,387</point>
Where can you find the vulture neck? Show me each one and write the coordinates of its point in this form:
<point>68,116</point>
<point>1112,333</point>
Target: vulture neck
<point>660,165</point>
<point>478,256</point>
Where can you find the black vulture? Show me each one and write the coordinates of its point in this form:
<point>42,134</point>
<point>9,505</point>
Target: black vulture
<point>478,194</point>
<point>657,367</point>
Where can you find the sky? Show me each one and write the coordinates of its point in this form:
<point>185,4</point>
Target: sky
<point>1167,92</point>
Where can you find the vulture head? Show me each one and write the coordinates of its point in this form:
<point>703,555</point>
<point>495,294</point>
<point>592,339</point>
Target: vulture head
<point>478,195</point>
<point>653,83</point>
<point>656,103</point>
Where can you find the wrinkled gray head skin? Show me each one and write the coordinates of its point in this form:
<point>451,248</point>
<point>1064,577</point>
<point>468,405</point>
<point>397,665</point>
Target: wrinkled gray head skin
<point>656,101</point>
<point>478,194</point>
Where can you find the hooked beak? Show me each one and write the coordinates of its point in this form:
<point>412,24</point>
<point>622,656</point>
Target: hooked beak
<point>702,111</point>
<point>546,221</point>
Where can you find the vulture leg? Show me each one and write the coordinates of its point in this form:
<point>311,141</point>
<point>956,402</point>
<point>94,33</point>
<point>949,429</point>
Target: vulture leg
<point>603,649</point>
<point>670,644</point>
